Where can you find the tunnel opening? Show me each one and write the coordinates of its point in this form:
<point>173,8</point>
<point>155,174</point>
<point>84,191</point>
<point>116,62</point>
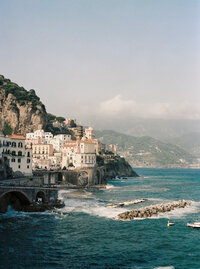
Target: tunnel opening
<point>40,197</point>
<point>15,199</point>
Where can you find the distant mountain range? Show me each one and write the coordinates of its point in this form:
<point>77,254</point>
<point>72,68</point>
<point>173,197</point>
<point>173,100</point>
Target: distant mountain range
<point>189,142</point>
<point>161,129</point>
<point>147,151</point>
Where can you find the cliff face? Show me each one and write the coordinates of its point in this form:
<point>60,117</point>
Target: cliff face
<point>20,110</point>
<point>119,167</point>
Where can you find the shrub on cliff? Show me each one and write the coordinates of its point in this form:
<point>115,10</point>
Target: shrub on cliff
<point>7,130</point>
<point>22,96</point>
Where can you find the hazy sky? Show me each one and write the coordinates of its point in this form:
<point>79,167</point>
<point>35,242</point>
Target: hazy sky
<point>105,58</point>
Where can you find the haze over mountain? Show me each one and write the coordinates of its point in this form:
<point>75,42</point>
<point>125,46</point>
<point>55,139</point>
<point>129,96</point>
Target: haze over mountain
<point>189,142</point>
<point>162,129</point>
<point>146,151</point>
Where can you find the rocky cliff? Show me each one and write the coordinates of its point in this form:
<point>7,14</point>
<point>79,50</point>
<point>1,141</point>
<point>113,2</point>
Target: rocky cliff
<point>118,166</point>
<point>21,111</point>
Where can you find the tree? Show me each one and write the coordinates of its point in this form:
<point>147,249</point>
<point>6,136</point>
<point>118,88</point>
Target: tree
<point>7,130</point>
<point>60,119</point>
<point>73,124</point>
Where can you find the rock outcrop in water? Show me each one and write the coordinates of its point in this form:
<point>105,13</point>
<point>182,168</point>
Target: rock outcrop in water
<point>117,166</point>
<point>34,207</point>
<point>153,210</point>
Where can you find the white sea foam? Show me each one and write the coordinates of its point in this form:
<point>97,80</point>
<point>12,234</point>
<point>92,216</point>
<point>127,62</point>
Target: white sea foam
<point>103,211</point>
<point>110,186</point>
<point>62,193</point>
<point>91,207</point>
<point>74,194</point>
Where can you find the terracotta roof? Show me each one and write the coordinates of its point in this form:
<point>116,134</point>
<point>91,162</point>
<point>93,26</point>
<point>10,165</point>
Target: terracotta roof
<point>87,141</point>
<point>21,137</point>
<point>69,146</point>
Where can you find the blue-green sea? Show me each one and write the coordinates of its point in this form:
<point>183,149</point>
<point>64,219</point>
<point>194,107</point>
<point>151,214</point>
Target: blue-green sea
<point>90,236</point>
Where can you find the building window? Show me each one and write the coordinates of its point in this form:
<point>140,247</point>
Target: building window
<point>19,153</point>
<point>28,160</point>
<point>13,144</point>
<point>19,160</point>
<point>13,160</point>
<point>28,154</point>
<point>19,166</point>
<point>20,145</point>
<point>13,153</point>
<point>27,166</point>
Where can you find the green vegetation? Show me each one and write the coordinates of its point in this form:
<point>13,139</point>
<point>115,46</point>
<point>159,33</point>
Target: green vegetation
<point>22,96</point>
<point>7,130</point>
<point>73,124</point>
<point>60,119</point>
<point>100,160</point>
<point>146,151</point>
<point>56,125</point>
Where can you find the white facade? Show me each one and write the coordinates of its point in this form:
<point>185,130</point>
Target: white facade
<point>56,160</point>
<point>59,141</point>
<point>45,136</point>
<point>79,154</point>
<point>42,151</point>
<point>113,148</point>
<point>89,133</point>
<point>18,156</point>
<point>85,160</point>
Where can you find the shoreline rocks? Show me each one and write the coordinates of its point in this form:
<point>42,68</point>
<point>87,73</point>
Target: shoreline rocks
<point>34,207</point>
<point>153,210</point>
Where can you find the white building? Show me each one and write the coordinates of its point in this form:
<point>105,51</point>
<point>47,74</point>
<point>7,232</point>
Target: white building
<point>18,156</point>
<point>113,148</point>
<point>55,160</point>
<point>59,141</point>
<point>89,133</point>
<point>79,154</point>
<point>44,136</point>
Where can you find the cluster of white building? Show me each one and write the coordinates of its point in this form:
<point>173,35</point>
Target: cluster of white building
<point>60,151</point>
<point>42,150</point>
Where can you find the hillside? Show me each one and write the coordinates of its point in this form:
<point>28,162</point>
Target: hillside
<point>146,151</point>
<point>21,111</point>
<point>189,142</point>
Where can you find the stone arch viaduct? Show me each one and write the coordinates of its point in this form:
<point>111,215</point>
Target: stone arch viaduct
<point>16,197</point>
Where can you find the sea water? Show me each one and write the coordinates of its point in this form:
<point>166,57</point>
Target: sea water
<point>90,236</point>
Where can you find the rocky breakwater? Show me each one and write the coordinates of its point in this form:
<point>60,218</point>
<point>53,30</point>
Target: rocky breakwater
<point>153,210</point>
